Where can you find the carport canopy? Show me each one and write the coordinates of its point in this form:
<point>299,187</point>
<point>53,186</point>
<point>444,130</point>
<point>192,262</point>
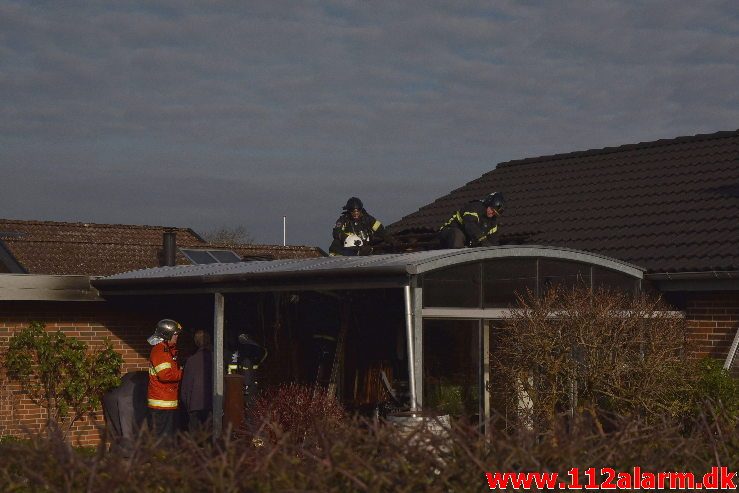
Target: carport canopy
<point>474,283</point>
<point>376,271</point>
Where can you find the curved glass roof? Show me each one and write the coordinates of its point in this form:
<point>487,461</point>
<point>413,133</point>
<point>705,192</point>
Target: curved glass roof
<point>364,272</point>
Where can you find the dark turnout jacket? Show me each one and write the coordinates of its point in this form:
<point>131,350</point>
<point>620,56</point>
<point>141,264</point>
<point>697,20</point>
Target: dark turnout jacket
<point>366,227</point>
<point>474,223</point>
<point>196,388</point>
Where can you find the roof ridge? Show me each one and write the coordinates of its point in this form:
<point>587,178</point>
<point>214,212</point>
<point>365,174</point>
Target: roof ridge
<point>97,243</point>
<point>86,224</point>
<point>258,246</point>
<point>612,150</point>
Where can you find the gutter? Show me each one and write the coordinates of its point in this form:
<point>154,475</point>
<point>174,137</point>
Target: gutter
<point>43,287</point>
<point>109,284</point>
<point>713,280</point>
<point>701,275</point>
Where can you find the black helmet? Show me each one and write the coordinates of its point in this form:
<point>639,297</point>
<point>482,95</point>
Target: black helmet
<point>353,203</point>
<point>255,352</point>
<point>494,200</point>
<point>164,331</point>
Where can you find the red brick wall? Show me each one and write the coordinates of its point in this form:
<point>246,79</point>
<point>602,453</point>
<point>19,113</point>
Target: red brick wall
<point>713,319</point>
<point>91,322</point>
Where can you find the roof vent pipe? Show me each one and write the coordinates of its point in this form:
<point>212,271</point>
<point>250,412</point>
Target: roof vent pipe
<point>169,248</point>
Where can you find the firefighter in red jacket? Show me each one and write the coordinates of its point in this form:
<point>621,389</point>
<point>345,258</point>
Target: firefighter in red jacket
<point>164,377</point>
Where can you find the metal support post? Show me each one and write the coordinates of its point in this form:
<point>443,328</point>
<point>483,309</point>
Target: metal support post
<point>218,364</point>
<point>409,335</point>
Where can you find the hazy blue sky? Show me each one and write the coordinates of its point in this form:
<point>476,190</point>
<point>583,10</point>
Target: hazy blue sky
<point>205,114</point>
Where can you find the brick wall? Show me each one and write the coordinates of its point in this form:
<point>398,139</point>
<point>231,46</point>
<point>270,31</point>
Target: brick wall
<point>713,319</point>
<point>91,322</point>
<point>126,323</point>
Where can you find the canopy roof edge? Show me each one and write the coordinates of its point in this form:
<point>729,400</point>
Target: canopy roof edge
<point>370,270</point>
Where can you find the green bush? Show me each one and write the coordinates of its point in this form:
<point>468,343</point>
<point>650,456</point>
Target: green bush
<point>713,383</point>
<point>448,399</point>
<point>58,373</point>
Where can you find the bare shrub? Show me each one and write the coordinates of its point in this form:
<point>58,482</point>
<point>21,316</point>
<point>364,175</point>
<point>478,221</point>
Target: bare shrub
<point>362,456</point>
<point>598,355</point>
<point>609,346</point>
<point>229,235</point>
<point>295,409</point>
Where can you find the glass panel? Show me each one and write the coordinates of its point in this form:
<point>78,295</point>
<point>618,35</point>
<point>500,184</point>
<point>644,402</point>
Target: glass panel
<point>451,367</point>
<point>504,278</point>
<point>563,273</point>
<point>502,389</point>
<point>225,256</point>
<point>613,280</point>
<point>199,257</point>
<point>457,286</point>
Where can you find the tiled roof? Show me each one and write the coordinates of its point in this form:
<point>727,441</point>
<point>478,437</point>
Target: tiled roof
<point>46,247</point>
<point>669,205</point>
<point>271,252</point>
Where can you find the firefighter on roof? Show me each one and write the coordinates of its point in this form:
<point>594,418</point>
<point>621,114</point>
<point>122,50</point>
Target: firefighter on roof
<point>354,230</point>
<point>473,224</point>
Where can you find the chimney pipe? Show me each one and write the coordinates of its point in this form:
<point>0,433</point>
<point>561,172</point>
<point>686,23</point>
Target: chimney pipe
<point>169,248</point>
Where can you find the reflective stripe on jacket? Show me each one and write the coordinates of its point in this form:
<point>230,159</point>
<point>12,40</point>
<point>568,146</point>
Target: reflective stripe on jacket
<point>366,227</point>
<point>473,221</point>
<point>164,377</point>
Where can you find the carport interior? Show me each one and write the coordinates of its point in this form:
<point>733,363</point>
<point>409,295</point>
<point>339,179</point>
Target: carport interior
<point>301,331</point>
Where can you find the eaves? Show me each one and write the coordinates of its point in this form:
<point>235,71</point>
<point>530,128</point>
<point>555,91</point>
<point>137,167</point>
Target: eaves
<point>695,281</point>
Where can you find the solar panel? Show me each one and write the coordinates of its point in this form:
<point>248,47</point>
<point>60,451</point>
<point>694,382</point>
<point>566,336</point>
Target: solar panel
<point>225,256</point>
<point>199,257</point>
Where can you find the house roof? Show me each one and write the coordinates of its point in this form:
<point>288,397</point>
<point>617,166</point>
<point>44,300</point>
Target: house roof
<point>669,205</point>
<point>46,247</point>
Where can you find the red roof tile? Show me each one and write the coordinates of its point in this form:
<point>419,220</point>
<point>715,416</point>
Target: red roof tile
<point>46,247</point>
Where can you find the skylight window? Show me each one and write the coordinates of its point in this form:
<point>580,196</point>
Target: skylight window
<point>199,257</point>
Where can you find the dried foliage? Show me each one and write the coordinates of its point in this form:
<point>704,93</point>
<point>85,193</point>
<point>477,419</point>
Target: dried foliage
<point>294,410</point>
<point>609,346</point>
<point>59,374</point>
<point>361,456</point>
<point>229,235</point>
<point>596,355</point>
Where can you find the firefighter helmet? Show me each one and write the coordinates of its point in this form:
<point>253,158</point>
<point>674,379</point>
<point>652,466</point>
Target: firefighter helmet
<point>165,329</point>
<point>494,200</point>
<point>253,352</point>
<point>353,241</point>
<point>353,203</point>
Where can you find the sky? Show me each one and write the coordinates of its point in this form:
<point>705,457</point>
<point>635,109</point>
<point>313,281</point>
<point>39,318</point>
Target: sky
<point>225,114</point>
